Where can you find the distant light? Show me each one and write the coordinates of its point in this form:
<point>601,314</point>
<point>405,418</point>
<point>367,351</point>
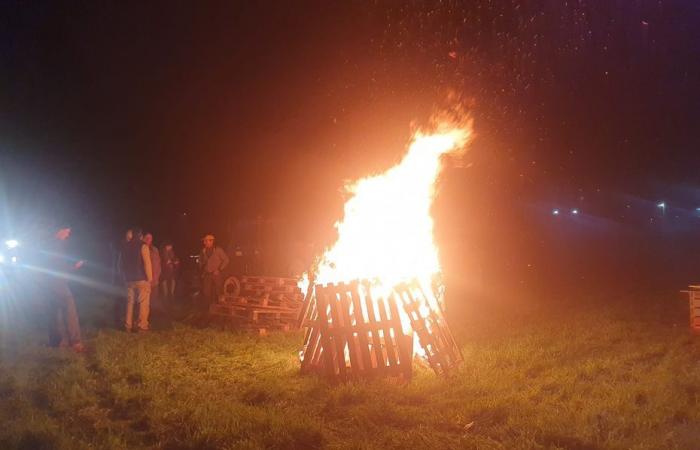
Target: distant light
<point>697,209</point>
<point>555,212</point>
<point>12,243</point>
<point>2,259</point>
<point>14,259</point>
<point>661,205</point>
<point>574,211</point>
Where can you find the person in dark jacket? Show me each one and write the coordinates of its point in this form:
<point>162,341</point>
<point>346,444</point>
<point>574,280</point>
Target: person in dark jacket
<point>136,269</point>
<point>64,325</point>
<point>212,261</point>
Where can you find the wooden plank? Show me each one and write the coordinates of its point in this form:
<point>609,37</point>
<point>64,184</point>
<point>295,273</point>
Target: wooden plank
<point>405,355</point>
<point>363,341</point>
<point>379,361</point>
<point>348,329</point>
<point>326,342</point>
<point>336,331</point>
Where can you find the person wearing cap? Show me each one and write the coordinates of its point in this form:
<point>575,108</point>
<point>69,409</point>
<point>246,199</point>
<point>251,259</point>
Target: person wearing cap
<point>212,261</point>
<point>64,325</point>
<point>137,272</point>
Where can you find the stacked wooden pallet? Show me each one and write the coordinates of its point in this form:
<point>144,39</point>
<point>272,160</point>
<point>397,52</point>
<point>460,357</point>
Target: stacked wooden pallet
<point>355,336</point>
<point>693,293</point>
<point>259,304</point>
<point>352,335</point>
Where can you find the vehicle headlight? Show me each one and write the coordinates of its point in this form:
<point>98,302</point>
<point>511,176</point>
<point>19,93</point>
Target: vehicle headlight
<point>12,243</point>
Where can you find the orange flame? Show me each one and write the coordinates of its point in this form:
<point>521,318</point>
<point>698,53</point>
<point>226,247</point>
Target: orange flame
<point>386,234</point>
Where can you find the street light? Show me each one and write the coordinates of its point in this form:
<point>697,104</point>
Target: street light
<point>662,206</point>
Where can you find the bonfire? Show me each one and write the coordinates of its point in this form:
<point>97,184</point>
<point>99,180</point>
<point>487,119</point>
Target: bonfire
<point>378,284</point>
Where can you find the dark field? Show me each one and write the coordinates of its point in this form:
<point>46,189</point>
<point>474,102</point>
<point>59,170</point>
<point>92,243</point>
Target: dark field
<point>618,373</point>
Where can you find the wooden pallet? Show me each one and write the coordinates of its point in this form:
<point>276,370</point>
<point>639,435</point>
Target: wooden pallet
<point>694,306</point>
<point>427,321</point>
<point>255,303</point>
<point>356,336</point>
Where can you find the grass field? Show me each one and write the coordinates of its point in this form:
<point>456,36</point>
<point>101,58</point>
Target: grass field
<point>571,377</point>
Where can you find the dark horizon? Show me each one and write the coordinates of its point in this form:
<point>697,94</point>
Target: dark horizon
<point>118,114</point>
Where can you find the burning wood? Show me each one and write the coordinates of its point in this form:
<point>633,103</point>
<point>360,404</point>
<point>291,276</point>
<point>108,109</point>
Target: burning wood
<point>354,334</point>
<point>358,329</point>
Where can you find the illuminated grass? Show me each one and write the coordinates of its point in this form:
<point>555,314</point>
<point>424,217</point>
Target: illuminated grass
<point>606,378</point>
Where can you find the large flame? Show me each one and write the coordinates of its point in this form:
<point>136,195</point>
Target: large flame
<point>386,234</point>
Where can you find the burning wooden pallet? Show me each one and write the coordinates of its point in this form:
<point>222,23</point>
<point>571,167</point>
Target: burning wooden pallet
<point>351,335</point>
<point>259,304</point>
<point>434,336</point>
<point>356,336</point>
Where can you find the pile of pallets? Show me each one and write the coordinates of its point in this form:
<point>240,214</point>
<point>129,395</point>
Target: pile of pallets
<point>258,304</point>
<point>351,335</point>
<point>693,296</point>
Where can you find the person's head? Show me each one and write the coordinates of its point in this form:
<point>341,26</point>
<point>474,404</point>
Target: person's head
<point>148,238</point>
<point>63,232</point>
<point>208,241</point>
<point>129,235</point>
<point>168,246</point>
<point>136,233</point>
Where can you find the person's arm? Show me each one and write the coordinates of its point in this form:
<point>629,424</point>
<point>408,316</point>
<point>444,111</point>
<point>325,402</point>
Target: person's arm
<point>224,259</point>
<point>147,267</point>
<point>201,260</point>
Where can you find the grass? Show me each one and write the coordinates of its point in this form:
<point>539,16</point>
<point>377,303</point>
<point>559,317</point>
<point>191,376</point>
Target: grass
<point>571,377</point>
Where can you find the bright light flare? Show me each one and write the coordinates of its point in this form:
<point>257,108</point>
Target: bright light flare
<point>12,243</point>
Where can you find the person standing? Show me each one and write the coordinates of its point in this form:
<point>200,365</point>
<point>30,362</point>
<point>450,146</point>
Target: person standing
<point>212,261</point>
<point>64,325</point>
<point>170,264</point>
<point>138,274</point>
<point>155,265</point>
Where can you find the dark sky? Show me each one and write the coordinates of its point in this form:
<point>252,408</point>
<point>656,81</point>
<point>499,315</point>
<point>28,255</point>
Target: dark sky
<point>135,112</point>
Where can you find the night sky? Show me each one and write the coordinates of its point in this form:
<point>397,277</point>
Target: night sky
<point>116,113</point>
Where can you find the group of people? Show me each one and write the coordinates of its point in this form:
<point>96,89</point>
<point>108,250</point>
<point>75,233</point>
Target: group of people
<point>143,273</point>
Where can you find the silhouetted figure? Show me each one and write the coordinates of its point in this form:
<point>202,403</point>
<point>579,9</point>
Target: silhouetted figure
<point>170,271</point>
<point>64,325</point>
<point>212,261</point>
<point>137,272</point>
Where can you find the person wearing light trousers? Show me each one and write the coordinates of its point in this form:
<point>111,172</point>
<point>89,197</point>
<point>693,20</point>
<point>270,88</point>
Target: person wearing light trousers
<point>138,275</point>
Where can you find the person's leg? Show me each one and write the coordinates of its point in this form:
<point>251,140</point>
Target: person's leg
<point>70,313</point>
<point>218,287</point>
<point>207,288</point>
<point>58,334</point>
<point>144,304</point>
<point>130,294</point>
<point>55,319</point>
<point>61,334</point>
<point>172,288</point>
